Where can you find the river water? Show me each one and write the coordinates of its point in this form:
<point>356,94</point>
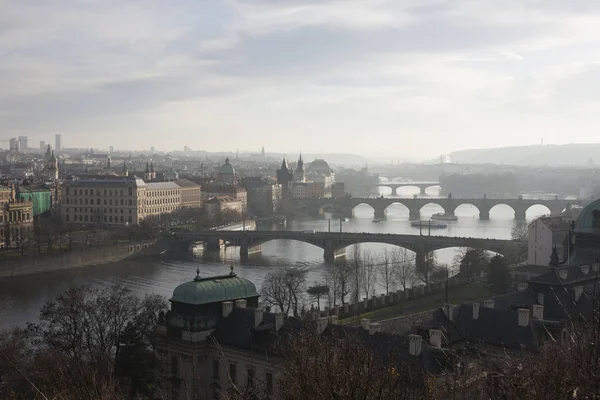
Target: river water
<point>22,297</point>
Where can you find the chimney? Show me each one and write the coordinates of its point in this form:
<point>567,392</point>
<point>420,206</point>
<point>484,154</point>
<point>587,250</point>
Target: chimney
<point>541,298</point>
<point>241,303</point>
<point>374,327</point>
<point>521,286</point>
<point>322,324</point>
<point>563,273</point>
<point>489,303</point>
<point>279,320</point>
<point>538,311</point>
<point>435,337</point>
<point>523,316</point>
<point>227,308</point>
<point>475,311</point>
<point>258,316</point>
<point>577,291</point>
<point>365,323</point>
<point>414,344</point>
<point>448,310</point>
<point>585,269</point>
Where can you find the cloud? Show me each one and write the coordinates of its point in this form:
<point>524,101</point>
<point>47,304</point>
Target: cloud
<point>421,75</point>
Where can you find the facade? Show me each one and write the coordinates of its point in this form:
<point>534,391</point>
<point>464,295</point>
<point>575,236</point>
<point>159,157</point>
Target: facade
<point>14,144</point>
<point>23,145</point>
<point>191,194</point>
<point>263,198</point>
<point>159,198</point>
<point>218,205</point>
<point>16,216</point>
<point>123,200</point>
<point>543,234</point>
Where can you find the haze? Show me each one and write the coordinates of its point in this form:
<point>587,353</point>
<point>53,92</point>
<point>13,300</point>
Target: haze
<point>404,78</point>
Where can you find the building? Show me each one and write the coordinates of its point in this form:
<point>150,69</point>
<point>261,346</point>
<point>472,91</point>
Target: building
<point>219,206</point>
<point>16,216</point>
<point>15,145</point>
<point>543,235</point>
<point>299,174</point>
<point>58,142</point>
<point>160,198</point>
<point>226,186</point>
<point>191,194</point>
<point>42,145</point>
<point>215,332</point>
<point>41,198</point>
<point>23,143</point>
<point>285,177</point>
<point>51,165</point>
<point>264,197</point>
<point>338,190</point>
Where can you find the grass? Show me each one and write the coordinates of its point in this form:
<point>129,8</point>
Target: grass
<point>456,295</point>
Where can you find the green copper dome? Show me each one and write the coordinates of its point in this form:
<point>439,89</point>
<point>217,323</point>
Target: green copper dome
<point>589,219</point>
<point>214,290</point>
<point>226,169</point>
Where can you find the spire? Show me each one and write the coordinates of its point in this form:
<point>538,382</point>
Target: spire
<point>197,278</point>
<point>300,162</point>
<point>147,168</point>
<point>152,166</point>
<point>227,160</point>
<point>284,165</point>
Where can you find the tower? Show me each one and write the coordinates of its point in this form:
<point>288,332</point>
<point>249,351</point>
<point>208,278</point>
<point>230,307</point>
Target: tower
<point>125,169</point>
<point>51,165</point>
<point>152,172</point>
<point>263,152</point>
<point>285,177</point>
<point>108,162</point>
<point>299,175</point>
<point>147,176</point>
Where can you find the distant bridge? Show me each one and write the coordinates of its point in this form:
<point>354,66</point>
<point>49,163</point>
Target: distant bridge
<point>345,206</point>
<point>334,244</point>
<point>394,185</point>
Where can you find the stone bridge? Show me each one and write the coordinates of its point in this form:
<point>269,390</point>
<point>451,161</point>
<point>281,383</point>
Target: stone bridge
<point>394,185</point>
<point>334,244</point>
<point>345,206</point>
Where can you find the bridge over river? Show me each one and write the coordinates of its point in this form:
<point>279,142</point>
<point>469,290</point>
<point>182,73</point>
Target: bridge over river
<point>345,206</point>
<point>334,244</point>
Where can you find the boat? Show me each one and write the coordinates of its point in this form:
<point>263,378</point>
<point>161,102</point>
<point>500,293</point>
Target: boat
<point>377,220</point>
<point>444,217</point>
<point>428,224</point>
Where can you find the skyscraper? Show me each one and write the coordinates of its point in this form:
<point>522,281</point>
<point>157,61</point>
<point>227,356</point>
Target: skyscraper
<point>23,143</point>
<point>42,145</point>
<point>57,142</point>
<point>14,144</point>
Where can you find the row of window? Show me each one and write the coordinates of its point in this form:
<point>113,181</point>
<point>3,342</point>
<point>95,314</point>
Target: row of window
<point>98,192</point>
<point>98,202</point>
<point>106,219</point>
<point>98,210</point>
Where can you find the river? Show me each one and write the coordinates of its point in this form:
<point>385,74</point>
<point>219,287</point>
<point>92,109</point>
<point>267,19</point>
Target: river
<point>22,297</point>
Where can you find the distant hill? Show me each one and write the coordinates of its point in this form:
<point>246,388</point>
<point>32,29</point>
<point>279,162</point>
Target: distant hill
<point>552,155</point>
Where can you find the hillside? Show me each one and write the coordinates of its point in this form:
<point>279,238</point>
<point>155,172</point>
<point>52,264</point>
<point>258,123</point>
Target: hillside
<point>553,155</point>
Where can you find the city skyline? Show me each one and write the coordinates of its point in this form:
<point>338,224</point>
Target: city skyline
<point>409,78</point>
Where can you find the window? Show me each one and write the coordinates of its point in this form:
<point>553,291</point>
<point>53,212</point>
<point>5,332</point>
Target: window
<point>121,201</point>
<point>216,368</point>
<point>104,201</point>
<point>98,201</point>
<point>130,202</point>
<point>66,201</point>
<point>269,382</point>
<point>67,217</point>
<point>233,372</point>
<point>86,192</point>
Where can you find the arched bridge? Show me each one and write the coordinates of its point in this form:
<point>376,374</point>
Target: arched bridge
<point>345,206</point>
<point>394,185</point>
<point>333,243</point>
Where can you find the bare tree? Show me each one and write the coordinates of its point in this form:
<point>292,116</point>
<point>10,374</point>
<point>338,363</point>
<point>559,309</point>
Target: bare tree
<point>339,279</point>
<point>284,290</point>
<point>403,268</point>
<point>369,274</point>
<point>386,272</point>
<point>356,273</point>
<point>520,230</point>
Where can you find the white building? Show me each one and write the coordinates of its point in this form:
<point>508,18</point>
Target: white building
<point>543,234</point>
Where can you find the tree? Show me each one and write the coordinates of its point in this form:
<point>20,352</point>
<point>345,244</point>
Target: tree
<point>368,274</point>
<point>471,262</point>
<point>386,272</point>
<point>424,273</point>
<point>284,290</point>
<point>520,231</point>
<point>499,275</point>
<point>340,280</point>
<point>317,291</point>
<point>344,367</point>
<point>98,328</point>
<point>403,268</point>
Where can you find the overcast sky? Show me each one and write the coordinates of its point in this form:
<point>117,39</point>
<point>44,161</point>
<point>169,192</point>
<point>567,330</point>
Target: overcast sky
<point>403,77</point>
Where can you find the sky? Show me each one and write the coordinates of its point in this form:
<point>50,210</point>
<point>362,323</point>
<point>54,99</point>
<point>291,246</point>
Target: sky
<point>405,78</point>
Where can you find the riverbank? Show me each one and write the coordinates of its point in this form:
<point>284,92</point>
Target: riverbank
<point>82,257</point>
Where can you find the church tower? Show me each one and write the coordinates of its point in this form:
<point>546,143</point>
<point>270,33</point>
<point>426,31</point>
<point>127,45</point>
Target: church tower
<point>147,176</point>
<point>125,169</point>
<point>51,166</point>
<point>299,175</point>
<point>285,177</point>
<point>108,162</point>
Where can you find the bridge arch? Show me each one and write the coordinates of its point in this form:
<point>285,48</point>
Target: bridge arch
<point>427,188</point>
<point>403,208</point>
<point>463,208</point>
<point>439,207</point>
<point>502,209</point>
<point>541,210</point>
<point>361,205</point>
